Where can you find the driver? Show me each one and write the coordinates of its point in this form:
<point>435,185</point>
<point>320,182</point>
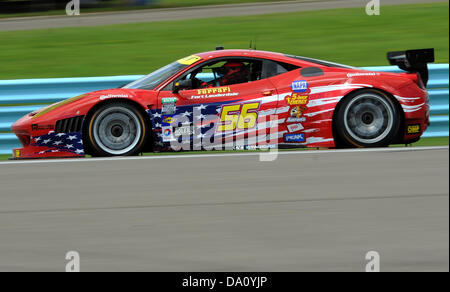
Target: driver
<point>232,73</point>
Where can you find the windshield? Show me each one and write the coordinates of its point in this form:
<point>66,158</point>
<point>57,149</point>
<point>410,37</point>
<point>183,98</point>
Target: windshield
<point>153,79</point>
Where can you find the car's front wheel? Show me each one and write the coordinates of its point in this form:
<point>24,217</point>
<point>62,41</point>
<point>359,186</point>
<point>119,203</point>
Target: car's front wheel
<point>367,118</point>
<point>116,129</point>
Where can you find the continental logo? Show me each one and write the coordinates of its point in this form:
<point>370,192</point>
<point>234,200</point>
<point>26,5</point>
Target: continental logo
<point>414,129</point>
<point>214,90</point>
<point>297,99</point>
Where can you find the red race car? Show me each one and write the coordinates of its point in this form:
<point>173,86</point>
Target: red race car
<point>238,99</point>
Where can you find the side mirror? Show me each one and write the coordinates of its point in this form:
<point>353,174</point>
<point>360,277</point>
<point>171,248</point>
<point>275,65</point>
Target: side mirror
<point>182,85</point>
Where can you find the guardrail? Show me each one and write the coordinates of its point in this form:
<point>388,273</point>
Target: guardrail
<point>19,97</point>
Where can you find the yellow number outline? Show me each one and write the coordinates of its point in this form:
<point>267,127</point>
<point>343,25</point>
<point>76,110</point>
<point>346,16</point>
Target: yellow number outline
<point>238,116</point>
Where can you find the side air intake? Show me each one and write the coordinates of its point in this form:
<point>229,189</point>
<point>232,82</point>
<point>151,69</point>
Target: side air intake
<point>69,125</point>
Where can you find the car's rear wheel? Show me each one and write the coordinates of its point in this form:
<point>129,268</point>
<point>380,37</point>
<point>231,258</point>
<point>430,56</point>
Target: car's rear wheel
<point>367,118</point>
<point>116,129</point>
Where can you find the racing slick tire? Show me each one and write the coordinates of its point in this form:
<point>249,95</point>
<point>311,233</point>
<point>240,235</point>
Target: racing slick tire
<point>367,118</point>
<point>116,129</point>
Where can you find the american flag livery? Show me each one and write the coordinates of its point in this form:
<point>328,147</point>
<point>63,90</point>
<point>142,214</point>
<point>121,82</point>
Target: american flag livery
<point>59,142</point>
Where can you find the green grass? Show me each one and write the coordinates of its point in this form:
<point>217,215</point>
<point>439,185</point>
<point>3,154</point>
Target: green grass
<point>346,35</point>
<point>439,141</point>
<point>423,142</point>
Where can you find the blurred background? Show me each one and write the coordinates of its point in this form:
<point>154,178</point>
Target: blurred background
<point>52,6</point>
<point>28,6</point>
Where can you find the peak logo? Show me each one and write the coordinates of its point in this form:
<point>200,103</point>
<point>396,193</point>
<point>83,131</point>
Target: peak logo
<point>298,138</point>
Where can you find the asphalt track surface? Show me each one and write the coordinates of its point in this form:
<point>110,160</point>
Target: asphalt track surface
<point>152,15</point>
<point>305,211</point>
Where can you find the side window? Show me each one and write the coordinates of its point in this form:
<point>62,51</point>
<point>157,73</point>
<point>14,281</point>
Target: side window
<point>224,72</point>
<point>272,68</point>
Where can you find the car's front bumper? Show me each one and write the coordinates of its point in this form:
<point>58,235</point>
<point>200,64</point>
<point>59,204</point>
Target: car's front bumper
<point>39,140</point>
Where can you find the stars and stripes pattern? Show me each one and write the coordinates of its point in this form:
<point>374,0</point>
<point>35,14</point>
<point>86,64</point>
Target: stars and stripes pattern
<point>59,142</point>
<point>317,124</point>
<point>203,120</point>
<point>204,117</point>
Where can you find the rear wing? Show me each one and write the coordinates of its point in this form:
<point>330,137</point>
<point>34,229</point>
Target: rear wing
<point>413,61</point>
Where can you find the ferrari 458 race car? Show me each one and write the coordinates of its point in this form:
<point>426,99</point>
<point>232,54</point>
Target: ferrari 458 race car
<point>237,99</point>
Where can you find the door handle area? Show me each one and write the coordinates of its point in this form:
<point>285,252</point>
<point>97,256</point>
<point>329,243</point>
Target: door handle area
<point>268,92</point>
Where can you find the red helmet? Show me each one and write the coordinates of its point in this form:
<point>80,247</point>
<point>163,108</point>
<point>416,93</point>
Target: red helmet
<point>234,72</point>
<point>234,67</point>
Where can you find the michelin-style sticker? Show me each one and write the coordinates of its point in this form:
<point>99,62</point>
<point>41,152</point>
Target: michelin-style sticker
<point>296,99</point>
<point>297,138</point>
<point>189,60</point>
<point>299,86</point>
<point>295,127</point>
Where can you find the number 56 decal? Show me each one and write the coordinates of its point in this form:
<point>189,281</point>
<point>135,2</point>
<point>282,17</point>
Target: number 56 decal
<point>238,116</point>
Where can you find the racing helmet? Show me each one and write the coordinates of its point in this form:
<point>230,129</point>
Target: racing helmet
<point>234,72</point>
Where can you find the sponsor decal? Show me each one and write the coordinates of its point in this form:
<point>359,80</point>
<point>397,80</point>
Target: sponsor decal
<point>167,134</point>
<point>169,100</point>
<point>17,153</point>
<point>296,114</point>
<point>167,120</point>
<point>189,60</point>
<point>254,147</point>
<point>260,147</point>
<point>225,89</point>
<point>299,86</point>
<point>214,92</point>
<point>184,131</point>
<point>295,120</point>
<point>297,111</point>
<point>414,129</point>
<point>362,74</point>
<point>37,127</point>
<point>296,99</point>
<point>169,105</point>
<point>295,127</point>
<point>298,138</point>
<point>108,96</point>
<point>169,108</point>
